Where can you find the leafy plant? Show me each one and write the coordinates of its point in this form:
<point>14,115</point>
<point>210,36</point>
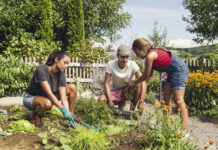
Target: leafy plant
<point>20,116</point>
<point>114,129</point>
<point>163,131</point>
<point>16,108</point>
<point>14,75</point>
<point>93,112</point>
<point>54,112</point>
<point>88,139</point>
<point>201,91</point>
<point>21,126</point>
<point>3,115</point>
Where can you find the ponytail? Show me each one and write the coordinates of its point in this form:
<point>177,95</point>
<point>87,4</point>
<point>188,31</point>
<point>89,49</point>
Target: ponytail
<point>55,54</point>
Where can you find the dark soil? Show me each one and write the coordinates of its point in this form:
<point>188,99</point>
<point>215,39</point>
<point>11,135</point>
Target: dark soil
<point>30,141</point>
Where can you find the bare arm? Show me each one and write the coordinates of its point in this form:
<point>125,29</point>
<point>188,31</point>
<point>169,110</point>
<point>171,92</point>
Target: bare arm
<point>144,85</point>
<point>47,89</point>
<point>63,97</point>
<point>107,87</point>
<point>148,67</point>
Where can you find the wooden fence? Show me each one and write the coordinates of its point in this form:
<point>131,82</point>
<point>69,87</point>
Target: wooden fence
<point>205,65</point>
<point>84,72</point>
<point>76,70</point>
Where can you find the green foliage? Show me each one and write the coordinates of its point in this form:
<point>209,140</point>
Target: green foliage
<point>211,112</point>
<point>45,31</point>
<point>203,19</point>
<point>16,108</point>
<point>158,38</point>
<point>114,129</point>
<point>90,54</point>
<point>94,112</point>
<point>3,116</point>
<point>25,45</point>
<point>54,112</point>
<point>201,91</point>
<point>153,83</point>
<point>21,126</point>
<point>88,139</point>
<point>14,75</point>
<point>20,116</point>
<point>163,132</point>
<point>75,35</point>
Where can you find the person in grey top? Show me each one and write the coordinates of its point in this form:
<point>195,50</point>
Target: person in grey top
<point>48,85</point>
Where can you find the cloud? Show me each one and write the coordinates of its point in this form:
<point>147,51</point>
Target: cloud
<point>182,43</point>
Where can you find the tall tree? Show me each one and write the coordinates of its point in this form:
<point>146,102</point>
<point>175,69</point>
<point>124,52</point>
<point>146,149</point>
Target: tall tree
<point>102,19</point>
<point>45,20</point>
<point>158,38</point>
<point>203,20</point>
<point>75,25</point>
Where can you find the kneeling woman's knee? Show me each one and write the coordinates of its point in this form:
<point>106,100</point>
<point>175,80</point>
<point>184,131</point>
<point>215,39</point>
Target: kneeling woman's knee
<point>72,87</point>
<point>47,105</point>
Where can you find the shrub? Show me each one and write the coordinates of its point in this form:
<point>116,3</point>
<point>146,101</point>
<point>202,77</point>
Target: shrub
<point>163,131</point>
<point>202,91</point>
<point>93,112</point>
<point>14,76</point>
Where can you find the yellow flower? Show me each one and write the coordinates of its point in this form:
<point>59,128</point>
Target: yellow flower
<point>146,110</point>
<point>180,102</point>
<point>179,136</point>
<point>164,109</point>
<point>157,105</point>
<point>162,102</point>
<point>171,117</point>
<point>211,142</point>
<point>215,91</point>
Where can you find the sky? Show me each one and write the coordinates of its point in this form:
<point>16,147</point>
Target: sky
<point>168,14</point>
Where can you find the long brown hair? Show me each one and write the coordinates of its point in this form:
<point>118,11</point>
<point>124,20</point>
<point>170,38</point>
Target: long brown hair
<point>55,54</point>
<point>140,43</point>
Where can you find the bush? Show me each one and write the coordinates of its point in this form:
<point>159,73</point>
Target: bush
<point>201,91</point>
<point>14,76</point>
<point>93,112</point>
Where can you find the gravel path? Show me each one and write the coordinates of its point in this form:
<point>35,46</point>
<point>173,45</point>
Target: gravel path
<point>201,130</point>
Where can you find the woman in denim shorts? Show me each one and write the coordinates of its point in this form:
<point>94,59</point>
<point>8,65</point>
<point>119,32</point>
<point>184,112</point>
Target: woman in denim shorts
<point>48,86</point>
<point>161,60</point>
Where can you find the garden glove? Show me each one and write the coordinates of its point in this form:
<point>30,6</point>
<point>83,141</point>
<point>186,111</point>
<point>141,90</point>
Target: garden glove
<point>67,114</point>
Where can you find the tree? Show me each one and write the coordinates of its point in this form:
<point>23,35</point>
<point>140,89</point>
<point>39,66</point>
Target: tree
<point>102,19</point>
<point>75,25</point>
<point>203,20</point>
<point>45,23</point>
<point>158,38</point>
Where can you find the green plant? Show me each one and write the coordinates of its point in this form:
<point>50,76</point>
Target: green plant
<point>14,75</point>
<point>21,126</point>
<point>54,112</point>
<point>88,139</point>
<point>201,91</point>
<point>114,129</point>
<point>20,116</point>
<point>93,112</point>
<point>3,115</point>
<point>163,131</point>
<point>16,108</point>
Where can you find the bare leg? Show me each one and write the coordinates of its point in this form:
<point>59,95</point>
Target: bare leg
<point>71,92</point>
<point>167,94</point>
<point>179,100</point>
<point>142,96</point>
<point>41,104</point>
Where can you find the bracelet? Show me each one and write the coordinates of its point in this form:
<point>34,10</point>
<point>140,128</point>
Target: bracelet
<point>141,101</point>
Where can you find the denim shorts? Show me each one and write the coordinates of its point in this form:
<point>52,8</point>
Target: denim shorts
<point>177,80</point>
<point>28,100</point>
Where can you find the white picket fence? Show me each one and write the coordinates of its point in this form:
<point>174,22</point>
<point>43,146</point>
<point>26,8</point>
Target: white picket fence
<point>77,71</point>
